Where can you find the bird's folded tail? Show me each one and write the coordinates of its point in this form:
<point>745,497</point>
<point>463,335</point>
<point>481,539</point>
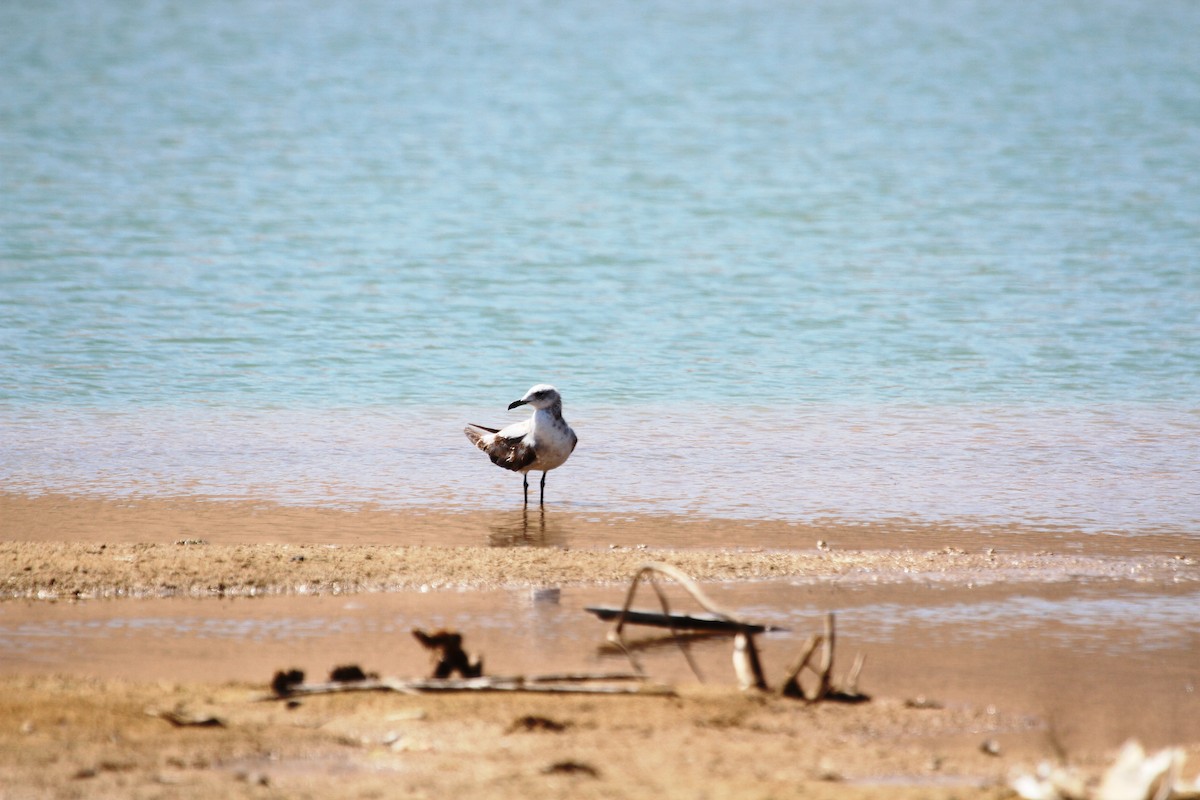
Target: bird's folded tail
<point>477,433</point>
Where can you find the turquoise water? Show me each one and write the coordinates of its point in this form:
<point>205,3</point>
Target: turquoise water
<point>784,259</point>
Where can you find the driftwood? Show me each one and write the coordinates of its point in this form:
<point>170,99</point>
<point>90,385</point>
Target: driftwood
<point>565,683</point>
<point>746,662</point>
<point>447,648</point>
<point>681,622</point>
<point>748,666</point>
<point>446,645</point>
<point>451,658</point>
<point>847,692</point>
<point>350,672</point>
<point>283,682</point>
<point>659,642</point>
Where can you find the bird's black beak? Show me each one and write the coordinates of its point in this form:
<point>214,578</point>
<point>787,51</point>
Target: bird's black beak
<point>516,403</point>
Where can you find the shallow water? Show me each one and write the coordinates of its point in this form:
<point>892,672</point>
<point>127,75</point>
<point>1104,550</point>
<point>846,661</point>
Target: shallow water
<point>1046,650</point>
<point>859,260</point>
<point>1095,620</point>
<point>1099,468</point>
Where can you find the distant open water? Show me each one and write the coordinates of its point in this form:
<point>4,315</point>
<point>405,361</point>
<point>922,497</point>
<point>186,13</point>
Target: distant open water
<point>934,260</point>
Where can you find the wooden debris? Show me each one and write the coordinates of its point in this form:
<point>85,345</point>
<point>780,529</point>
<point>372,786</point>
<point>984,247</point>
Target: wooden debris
<point>791,680</point>
<point>827,658</point>
<point>350,673</point>
<point>669,639</point>
<point>583,683</point>
<point>826,689</point>
<point>682,622</point>
<point>283,682</point>
<point>746,662</point>
<point>447,647</point>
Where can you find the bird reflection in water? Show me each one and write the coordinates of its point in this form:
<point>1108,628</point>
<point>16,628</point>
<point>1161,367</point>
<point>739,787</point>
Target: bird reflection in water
<point>525,528</point>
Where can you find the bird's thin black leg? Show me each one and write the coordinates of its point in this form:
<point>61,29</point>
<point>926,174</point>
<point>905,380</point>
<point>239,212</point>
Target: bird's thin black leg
<point>542,501</point>
<point>525,483</point>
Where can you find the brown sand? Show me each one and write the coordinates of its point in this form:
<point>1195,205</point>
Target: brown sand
<point>70,737</point>
<point>85,732</point>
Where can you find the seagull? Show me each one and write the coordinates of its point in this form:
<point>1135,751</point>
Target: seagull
<point>544,441</point>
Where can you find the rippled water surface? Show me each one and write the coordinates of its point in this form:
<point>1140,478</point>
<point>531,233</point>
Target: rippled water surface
<point>931,260</point>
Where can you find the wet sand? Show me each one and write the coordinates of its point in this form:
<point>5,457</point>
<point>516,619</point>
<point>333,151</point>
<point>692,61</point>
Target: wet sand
<point>113,607</point>
<point>155,520</point>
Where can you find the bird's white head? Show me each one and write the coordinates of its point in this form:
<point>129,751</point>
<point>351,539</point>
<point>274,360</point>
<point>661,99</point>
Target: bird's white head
<point>541,396</point>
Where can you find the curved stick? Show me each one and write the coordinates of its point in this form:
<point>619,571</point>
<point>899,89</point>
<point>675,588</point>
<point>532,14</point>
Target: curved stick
<point>647,571</point>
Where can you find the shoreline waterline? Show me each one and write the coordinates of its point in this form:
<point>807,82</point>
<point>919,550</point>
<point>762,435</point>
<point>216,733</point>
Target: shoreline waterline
<point>84,517</point>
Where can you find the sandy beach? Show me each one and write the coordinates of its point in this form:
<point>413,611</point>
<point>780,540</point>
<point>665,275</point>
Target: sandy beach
<point>116,611</point>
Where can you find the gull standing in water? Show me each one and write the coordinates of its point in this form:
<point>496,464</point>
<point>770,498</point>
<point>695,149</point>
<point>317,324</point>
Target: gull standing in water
<point>542,442</point>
